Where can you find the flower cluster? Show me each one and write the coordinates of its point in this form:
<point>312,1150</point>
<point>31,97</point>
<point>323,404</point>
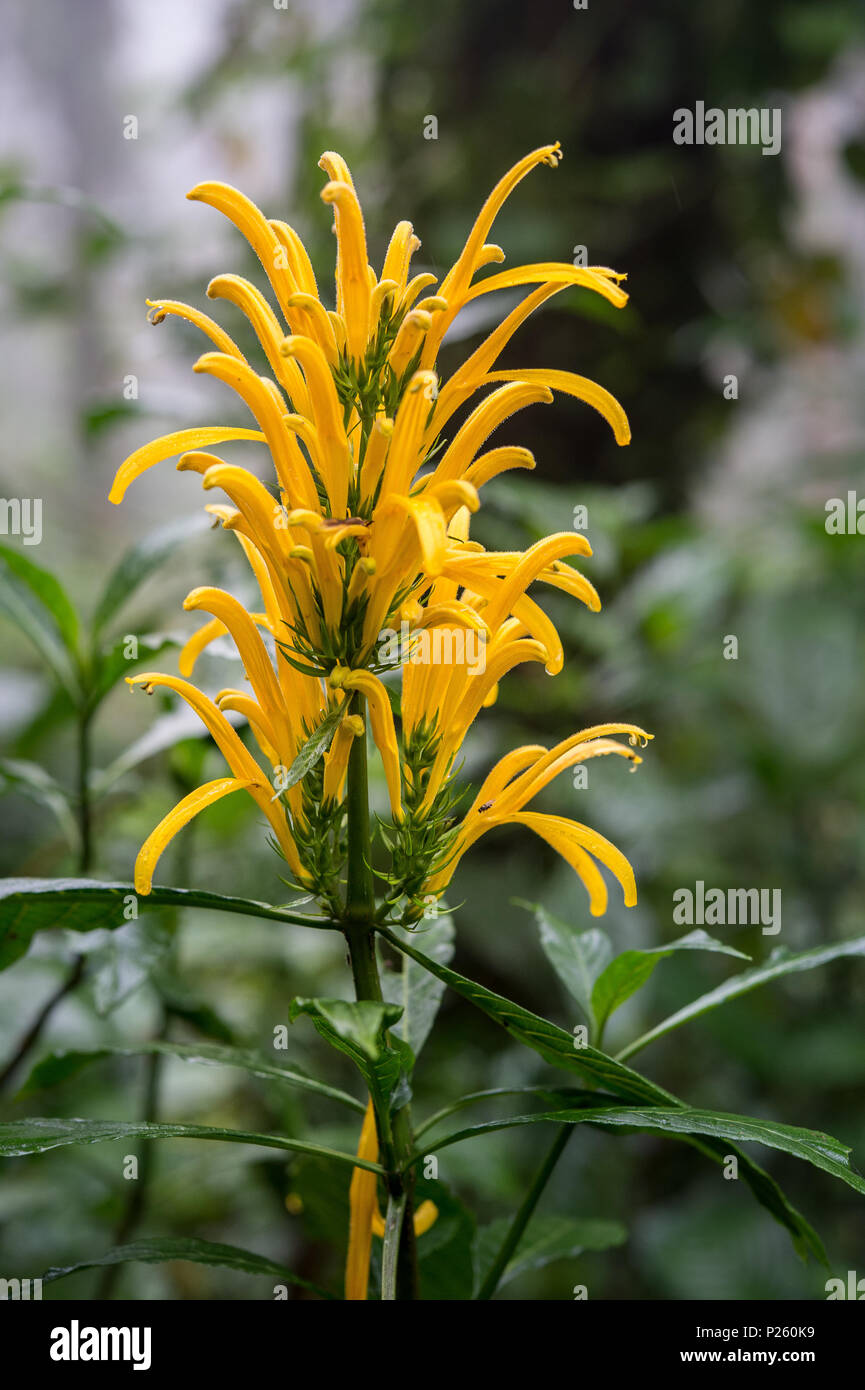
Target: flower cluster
<point>365,528</point>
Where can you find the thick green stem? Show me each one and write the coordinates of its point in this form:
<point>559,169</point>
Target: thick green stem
<point>525,1213</point>
<point>394,1131</point>
<point>360,892</point>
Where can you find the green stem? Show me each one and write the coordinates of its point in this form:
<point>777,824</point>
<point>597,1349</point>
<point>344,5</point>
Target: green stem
<point>360,892</point>
<point>393,1226</point>
<point>394,1131</point>
<point>524,1215</point>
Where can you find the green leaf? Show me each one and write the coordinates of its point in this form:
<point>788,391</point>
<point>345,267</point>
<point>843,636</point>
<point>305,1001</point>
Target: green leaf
<point>315,747</point>
<point>631,970</point>
<point>578,957</point>
<point>33,781</point>
<point>553,1043</point>
<point>28,905</point>
<point>445,1251</point>
<point>26,592</point>
<point>164,1249</point>
<point>556,1047</point>
<point>140,562</point>
<point>816,1148</point>
<point>357,1029</point>
<point>414,989</point>
<point>552,1097</point>
<point>47,590</point>
<point>33,1136</point>
<point>781,962</point>
<point>59,1066</point>
<point>549,1238</point>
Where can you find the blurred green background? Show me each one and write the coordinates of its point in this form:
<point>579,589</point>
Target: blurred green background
<point>710,525</point>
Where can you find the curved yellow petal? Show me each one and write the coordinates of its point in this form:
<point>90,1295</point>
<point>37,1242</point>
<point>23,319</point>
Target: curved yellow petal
<point>176,819</point>
<point>254,225</point>
<point>161,308</point>
<point>383,731</point>
<point>353,289</point>
<point>580,387</point>
<point>169,445</point>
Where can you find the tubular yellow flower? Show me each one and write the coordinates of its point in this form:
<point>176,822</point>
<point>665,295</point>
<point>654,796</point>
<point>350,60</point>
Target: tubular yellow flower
<point>364,537</point>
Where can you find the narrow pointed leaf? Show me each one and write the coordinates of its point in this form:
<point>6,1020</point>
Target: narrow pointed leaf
<point>31,1136</point>
<point>166,1249</point>
<point>556,1047</point>
<point>29,905</point>
<point>781,962</point>
<point>629,971</point>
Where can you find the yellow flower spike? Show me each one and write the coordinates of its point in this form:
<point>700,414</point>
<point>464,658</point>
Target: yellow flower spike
<point>353,289</point>
<point>368,528</point>
<point>161,308</point>
<point>169,446</point>
<point>180,816</point>
<point>383,731</point>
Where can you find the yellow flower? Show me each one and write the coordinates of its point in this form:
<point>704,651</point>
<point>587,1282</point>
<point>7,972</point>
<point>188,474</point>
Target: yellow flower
<point>365,532</point>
